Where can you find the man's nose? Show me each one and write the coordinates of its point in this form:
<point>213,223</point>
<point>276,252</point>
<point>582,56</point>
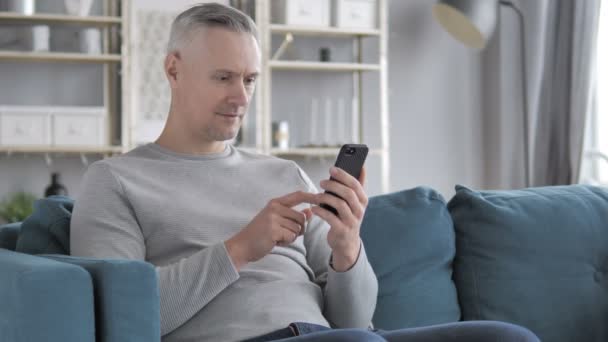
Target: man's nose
<point>239,94</point>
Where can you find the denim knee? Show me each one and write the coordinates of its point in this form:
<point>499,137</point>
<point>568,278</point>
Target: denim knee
<point>512,332</point>
<point>356,335</point>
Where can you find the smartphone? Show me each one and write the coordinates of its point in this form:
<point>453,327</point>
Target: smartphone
<point>350,159</point>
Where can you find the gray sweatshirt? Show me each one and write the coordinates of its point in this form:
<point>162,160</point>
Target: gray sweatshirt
<point>175,211</point>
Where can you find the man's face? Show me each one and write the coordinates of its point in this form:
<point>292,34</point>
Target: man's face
<point>215,79</point>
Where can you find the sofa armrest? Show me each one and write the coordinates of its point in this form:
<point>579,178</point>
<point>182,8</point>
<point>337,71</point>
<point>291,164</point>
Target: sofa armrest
<point>127,299</point>
<point>44,300</point>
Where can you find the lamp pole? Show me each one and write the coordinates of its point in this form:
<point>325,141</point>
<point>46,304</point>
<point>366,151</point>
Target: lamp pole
<point>524,82</point>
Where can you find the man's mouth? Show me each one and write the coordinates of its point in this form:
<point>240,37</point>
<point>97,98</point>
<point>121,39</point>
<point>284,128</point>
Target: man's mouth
<point>230,115</point>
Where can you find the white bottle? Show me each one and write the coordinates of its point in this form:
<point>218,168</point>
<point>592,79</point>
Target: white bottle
<point>283,135</point>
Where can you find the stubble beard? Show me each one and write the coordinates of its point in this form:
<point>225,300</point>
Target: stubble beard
<point>224,134</point>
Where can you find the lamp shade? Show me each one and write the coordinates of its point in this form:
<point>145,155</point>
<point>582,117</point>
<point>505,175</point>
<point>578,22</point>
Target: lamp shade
<point>470,21</point>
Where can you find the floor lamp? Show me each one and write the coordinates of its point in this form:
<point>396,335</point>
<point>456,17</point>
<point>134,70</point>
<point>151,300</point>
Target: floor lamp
<point>472,22</point>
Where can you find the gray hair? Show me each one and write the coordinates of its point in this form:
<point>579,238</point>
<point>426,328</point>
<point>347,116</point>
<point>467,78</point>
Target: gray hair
<point>208,15</point>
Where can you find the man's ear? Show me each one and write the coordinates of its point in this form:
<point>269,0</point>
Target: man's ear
<point>172,62</point>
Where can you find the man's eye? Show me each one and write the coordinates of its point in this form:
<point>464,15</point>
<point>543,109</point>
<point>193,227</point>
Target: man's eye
<point>223,78</point>
<point>250,81</point>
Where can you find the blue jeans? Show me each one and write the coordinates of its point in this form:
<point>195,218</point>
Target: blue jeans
<point>472,331</point>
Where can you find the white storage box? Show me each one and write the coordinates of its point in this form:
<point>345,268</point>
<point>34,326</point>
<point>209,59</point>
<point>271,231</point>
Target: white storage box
<point>25,126</point>
<point>301,12</point>
<point>355,14</point>
<point>79,126</point>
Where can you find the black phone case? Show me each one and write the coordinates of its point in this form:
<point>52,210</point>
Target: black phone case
<point>349,163</point>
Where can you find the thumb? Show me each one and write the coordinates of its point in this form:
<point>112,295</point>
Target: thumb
<point>308,213</point>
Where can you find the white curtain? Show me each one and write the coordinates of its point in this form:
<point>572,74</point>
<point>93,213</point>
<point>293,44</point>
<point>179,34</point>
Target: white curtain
<point>560,38</point>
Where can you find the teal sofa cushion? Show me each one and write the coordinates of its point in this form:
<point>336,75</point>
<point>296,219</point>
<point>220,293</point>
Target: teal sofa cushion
<point>47,230</point>
<point>44,300</point>
<point>409,240</point>
<point>127,300</point>
<point>9,234</point>
<point>536,257</point>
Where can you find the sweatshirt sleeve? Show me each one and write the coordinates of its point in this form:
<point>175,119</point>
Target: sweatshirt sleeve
<point>350,296</point>
<point>104,226</point>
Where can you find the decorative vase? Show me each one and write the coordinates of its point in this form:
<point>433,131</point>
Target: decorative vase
<point>90,41</point>
<point>78,7</point>
<point>55,188</point>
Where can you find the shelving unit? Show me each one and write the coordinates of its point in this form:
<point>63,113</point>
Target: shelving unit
<point>326,31</point>
<point>116,63</point>
<point>322,66</point>
<point>38,18</point>
<point>266,30</point>
<point>61,150</point>
<point>111,58</point>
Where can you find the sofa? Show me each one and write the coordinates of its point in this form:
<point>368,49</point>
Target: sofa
<point>536,257</point>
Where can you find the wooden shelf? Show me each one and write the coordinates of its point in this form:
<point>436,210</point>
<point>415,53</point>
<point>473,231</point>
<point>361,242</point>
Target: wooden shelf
<point>25,56</point>
<point>59,19</point>
<point>62,149</point>
<point>323,31</point>
<point>314,151</point>
<point>325,66</point>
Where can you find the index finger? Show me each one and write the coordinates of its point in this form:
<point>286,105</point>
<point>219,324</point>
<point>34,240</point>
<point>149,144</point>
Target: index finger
<point>355,184</point>
<point>295,198</point>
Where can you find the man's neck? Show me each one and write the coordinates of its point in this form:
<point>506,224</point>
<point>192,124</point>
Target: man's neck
<point>180,144</point>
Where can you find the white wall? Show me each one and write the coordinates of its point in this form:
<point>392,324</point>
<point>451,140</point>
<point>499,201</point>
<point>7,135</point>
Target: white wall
<point>434,103</point>
<point>434,111</point>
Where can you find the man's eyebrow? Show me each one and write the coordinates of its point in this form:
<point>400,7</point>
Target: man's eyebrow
<point>230,72</point>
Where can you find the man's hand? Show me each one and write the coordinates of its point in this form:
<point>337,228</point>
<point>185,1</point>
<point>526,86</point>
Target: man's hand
<point>276,224</point>
<point>343,237</point>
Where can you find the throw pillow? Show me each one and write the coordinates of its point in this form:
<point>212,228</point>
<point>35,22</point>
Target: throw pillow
<point>409,240</point>
<point>536,257</point>
<point>47,230</point>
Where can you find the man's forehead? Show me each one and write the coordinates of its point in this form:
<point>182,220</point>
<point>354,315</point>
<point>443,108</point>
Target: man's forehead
<point>227,50</point>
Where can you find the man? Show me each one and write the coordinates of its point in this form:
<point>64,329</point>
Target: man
<point>238,250</point>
